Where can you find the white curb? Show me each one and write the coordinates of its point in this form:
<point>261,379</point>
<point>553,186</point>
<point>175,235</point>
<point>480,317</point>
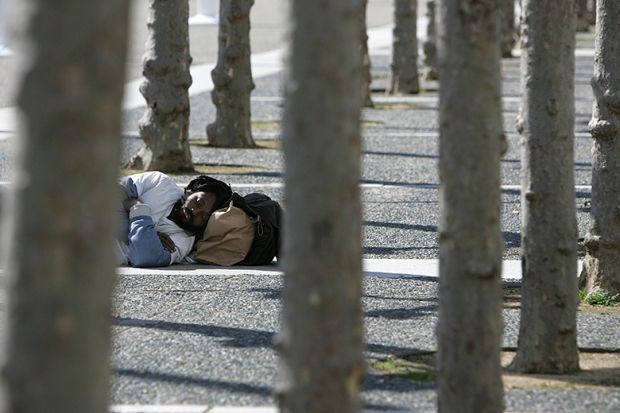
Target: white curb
<point>207,409</point>
<point>373,267</point>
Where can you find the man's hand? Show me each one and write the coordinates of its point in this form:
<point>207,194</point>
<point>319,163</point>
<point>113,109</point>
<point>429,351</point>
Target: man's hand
<point>129,202</point>
<point>167,242</point>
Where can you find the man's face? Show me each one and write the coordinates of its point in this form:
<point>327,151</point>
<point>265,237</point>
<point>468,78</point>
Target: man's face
<point>196,210</point>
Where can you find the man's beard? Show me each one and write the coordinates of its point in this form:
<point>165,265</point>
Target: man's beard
<point>176,216</point>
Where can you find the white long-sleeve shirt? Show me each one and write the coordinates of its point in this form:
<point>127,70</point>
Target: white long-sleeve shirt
<point>157,194</point>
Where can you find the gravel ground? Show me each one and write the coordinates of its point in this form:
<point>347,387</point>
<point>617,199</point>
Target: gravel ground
<point>201,339</point>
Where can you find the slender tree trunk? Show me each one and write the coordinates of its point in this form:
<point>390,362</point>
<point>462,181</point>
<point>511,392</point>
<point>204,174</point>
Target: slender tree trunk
<point>470,250</point>
<point>548,334</point>
<point>322,335</point>
<point>404,76</point>
<point>429,46</point>
<point>591,12</point>
<point>583,21</point>
<point>602,262</point>
<point>165,124</point>
<point>61,222</point>
<point>366,75</point>
<point>508,27</point>
<point>232,78</point>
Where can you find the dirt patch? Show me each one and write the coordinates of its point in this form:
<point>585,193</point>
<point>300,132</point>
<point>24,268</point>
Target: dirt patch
<point>598,369</point>
<point>209,169</point>
<point>227,169</point>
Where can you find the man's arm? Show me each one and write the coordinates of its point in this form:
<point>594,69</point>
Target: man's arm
<point>145,247</point>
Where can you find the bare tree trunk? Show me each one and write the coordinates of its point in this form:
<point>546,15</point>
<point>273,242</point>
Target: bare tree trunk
<point>429,46</point>
<point>61,222</point>
<point>583,21</point>
<point>232,78</point>
<point>602,262</point>
<point>470,249</point>
<point>366,75</point>
<point>548,333</point>
<point>322,335</point>
<point>165,124</point>
<point>591,12</point>
<point>508,27</point>
<point>404,75</point>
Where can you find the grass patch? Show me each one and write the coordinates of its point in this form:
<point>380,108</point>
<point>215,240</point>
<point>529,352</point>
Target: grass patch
<point>372,124</point>
<point>396,106</point>
<point>265,125</point>
<point>421,370</point>
<point>599,298</point>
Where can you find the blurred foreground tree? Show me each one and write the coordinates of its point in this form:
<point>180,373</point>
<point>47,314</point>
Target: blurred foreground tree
<point>429,46</point>
<point>507,12</point>
<point>583,16</point>
<point>165,124</point>
<point>322,335</point>
<point>470,241</point>
<point>61,220</point>
<point>363,41</point>
<point>548,331</point>
<point>602,262</point>
<point>404,74</point>
<point>232,78</point>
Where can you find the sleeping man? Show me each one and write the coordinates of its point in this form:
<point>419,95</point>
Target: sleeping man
<point>159,220</point>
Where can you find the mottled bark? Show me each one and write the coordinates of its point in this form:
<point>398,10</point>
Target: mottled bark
<point>165,124</point>
<point>470,241</point>
<point>366,75</point>
<point>547,335</point>
<point>61,220</point>
<point>404,75</point>
<point>602,262</point>
<point>429,46</point>
<point>322,335</point>
<point>583,19</point>
<point>507,12</point>
<point>232,78</point>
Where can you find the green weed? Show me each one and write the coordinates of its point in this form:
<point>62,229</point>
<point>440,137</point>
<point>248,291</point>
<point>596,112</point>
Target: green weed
<point>600,298</point>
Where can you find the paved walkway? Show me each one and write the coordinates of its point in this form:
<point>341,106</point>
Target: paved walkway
<point>202,336</point>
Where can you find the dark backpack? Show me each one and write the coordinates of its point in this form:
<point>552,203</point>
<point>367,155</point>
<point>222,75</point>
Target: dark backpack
<point>266,214</point>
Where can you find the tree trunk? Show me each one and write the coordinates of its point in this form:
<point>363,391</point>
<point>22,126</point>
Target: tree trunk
<point>470,250</point>
<point>232,78</point>
<point>61,220</point>
<point>548,336</point>
<point>322,335</point>
<point>366,75</point>
<point>165,124</point>
<point>429,46</point>
<point>583,20</point>
<point>591,12</point>
<point>507,12</point>
<point>602,262</point>
<point>404,66</point>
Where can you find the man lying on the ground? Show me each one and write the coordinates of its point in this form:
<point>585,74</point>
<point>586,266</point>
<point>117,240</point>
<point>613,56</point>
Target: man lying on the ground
<point>159,220</point>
